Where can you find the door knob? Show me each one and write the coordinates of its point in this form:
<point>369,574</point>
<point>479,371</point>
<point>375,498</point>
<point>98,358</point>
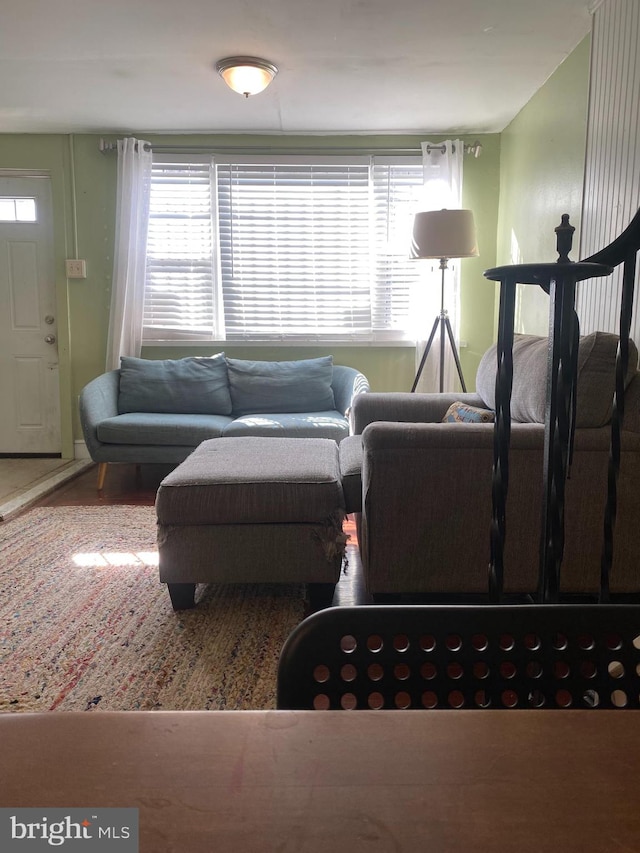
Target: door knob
<point>50,339</point>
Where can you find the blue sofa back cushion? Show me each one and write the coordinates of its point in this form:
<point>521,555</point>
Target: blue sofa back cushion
<point>183,386</point>
<point>263,387</point>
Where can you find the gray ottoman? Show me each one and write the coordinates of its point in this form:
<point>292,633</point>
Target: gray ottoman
<point>252,510</point>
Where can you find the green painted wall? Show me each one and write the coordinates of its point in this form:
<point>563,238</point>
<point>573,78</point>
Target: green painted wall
<point>541,177</point>
<point>84,188</point>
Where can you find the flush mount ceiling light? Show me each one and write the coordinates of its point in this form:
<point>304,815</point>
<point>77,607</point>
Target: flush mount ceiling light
<point>246,75</point>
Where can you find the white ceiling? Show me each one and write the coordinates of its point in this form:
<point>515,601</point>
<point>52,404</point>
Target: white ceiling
<point>346,66</point>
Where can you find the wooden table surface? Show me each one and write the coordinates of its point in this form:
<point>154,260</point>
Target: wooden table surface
<point>299,781</point>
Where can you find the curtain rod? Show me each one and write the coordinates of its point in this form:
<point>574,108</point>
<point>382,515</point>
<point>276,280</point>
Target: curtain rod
<point>475,149</point>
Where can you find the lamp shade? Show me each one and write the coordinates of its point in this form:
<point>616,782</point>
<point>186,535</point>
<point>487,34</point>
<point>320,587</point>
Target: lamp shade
<point>444,234</point>
<point>246,75</point>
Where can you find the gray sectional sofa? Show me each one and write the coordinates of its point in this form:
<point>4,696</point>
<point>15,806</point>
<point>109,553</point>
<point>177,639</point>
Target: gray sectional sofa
<point>420,482</point>
<point>158,411</point>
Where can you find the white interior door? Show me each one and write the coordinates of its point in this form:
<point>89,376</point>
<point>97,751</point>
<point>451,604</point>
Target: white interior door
<point>29,381</point>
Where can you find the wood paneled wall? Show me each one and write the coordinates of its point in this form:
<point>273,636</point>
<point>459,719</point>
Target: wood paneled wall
<point>612,172</point>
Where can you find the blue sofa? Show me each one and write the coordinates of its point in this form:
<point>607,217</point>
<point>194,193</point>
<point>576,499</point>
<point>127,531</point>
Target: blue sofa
<point>158,411</point>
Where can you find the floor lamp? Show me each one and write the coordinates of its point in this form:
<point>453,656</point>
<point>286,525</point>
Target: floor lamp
<point>443,234</point>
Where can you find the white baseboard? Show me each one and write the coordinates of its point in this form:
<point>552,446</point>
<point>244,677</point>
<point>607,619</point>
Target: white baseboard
<point>80,450</point>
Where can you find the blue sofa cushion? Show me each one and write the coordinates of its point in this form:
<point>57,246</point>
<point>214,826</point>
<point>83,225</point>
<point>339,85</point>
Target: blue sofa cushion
<point>168,429</point>
<point>265,387</point>
<point>189,386</point>
<point>301,425</point>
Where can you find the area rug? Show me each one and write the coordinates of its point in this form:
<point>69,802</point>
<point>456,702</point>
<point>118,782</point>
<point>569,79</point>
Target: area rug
<point>86,625</point>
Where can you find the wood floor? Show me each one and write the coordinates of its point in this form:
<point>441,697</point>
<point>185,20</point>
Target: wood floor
<point>127,484</point>
<point>17,475</point>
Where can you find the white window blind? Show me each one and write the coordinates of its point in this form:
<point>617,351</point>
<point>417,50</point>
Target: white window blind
<point>397,192</point>
<point>301,250</point>
<point>294,250</point>
<point>180,289</point>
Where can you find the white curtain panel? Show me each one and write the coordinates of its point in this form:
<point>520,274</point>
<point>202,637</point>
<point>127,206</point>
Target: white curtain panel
<point>442,165</point>
<point>132,214</point>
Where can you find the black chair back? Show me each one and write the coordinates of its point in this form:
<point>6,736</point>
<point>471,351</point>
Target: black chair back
<point>463,657</point>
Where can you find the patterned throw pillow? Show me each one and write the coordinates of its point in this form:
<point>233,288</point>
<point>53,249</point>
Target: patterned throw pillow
<point>463,413</point>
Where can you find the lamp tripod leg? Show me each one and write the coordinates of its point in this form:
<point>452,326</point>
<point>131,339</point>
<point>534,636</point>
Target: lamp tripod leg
<point>455,354</point>
<point>443,319</point>
<point>425,354</point>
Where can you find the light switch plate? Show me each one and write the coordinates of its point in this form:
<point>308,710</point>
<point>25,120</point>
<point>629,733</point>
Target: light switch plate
<point>76,268</point>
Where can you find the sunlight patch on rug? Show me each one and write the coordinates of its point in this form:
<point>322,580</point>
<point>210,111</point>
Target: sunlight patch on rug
<point>86,625</point>
<point>122,558</point>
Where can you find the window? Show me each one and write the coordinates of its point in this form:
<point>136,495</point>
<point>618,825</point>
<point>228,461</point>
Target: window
<point>17,209</point>
<point>284,248</point>
<point>179,288</point>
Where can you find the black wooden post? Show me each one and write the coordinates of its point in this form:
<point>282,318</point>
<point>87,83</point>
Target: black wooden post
<point>559,281</point>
